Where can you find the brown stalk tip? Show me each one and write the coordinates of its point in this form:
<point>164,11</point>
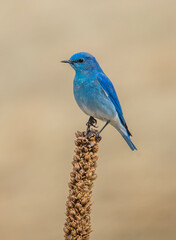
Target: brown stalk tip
<point>78,206</point>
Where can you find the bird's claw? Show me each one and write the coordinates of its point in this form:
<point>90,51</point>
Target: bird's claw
<point>91,122</point>
<point>97,136</point>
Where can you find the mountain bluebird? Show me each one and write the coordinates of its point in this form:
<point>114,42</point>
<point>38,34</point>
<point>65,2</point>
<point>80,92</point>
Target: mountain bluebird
<point>96,96</point>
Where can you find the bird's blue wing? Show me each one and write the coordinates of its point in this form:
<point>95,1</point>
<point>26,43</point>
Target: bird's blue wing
<point>109,88</point>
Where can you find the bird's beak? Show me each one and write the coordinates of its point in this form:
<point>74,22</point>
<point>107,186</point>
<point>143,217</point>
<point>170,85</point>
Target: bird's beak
<point>66,61</point>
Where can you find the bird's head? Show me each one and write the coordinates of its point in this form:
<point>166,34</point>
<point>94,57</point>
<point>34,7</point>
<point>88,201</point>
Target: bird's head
<point>83,61</point>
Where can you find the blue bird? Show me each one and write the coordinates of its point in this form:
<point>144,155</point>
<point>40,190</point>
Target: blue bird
<point>96,96</point>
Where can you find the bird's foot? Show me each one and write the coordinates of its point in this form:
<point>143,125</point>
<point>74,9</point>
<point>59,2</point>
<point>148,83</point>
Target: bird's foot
<point>91,122</point>
<point>98,137</point>
<point>94,133</point>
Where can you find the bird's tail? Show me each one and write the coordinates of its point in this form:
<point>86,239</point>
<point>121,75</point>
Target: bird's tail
<point>129,142</point>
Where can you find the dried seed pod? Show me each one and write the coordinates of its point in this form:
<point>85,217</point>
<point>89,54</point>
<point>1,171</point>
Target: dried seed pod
<point>72,174</point>
<point>94,177</point>
<point>83,222</point>
<point>82,172</point>
<point>77,166</point>
<point>73,224</point>
<point>83,211</point>
<point>73,232</point>
<point>79,195</point>
<point>86,166</point>
<point>69,204</point>
<point>70,218</point>
<point>89,175</point>
<point>85,149</point>
<point>87,156</point>
<point>95,148</point>
<point>95,158</point>
<point>78,205</point>
<point>84,201</point>
<point>77,225</point>
<point>66,230</point>
<point>76,158</point>
<point>79,238</point>
<point>79,228</point>
<point>80,184</point>
<point>77,177</point>
<point>72,211</point>
<point>72,180</point>
<point>78,218</point>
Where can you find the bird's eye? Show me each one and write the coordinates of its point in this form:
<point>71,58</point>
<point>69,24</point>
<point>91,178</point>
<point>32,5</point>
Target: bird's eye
<point>81,60</point>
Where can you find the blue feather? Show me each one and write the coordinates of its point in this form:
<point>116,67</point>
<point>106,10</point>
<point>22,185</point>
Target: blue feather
<point>129,142</point>
<point>109,88</point>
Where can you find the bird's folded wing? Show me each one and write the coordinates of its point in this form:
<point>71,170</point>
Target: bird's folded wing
<point>109,89</point>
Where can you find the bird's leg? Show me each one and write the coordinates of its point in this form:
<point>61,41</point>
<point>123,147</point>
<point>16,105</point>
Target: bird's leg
<point>98,137</point>
<point>91,122</point>
<point>98,134</point>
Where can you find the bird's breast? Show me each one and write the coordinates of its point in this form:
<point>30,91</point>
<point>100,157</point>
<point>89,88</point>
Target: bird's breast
<point>93,100</point>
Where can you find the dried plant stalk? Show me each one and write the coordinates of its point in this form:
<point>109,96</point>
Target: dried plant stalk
<point>77,225</point>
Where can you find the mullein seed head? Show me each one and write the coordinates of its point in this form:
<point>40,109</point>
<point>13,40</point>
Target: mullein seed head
<point>77,225</point>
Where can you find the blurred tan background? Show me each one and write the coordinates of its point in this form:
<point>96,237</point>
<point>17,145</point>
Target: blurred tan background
<point>134,197</point>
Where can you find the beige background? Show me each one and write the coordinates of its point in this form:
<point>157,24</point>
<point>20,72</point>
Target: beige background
<point>134,197</point>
